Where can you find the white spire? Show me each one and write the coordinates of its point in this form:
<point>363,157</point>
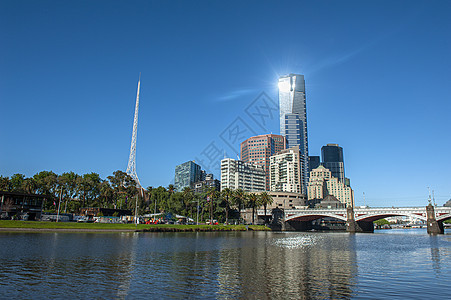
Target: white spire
<point>131,167</point>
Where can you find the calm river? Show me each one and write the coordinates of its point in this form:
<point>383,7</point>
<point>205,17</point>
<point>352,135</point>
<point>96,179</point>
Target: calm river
<point>390,264</point>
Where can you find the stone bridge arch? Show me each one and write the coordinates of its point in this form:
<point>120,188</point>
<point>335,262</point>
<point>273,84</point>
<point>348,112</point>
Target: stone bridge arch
<point>314,216</point>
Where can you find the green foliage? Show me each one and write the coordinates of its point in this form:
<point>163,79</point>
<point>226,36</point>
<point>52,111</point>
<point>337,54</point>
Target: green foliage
<point>16,182</point>
<point>5,184</point>
<point>381,222</point>
<point>119,191</point>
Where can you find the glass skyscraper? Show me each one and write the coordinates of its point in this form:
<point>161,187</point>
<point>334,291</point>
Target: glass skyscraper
<point>186,174</point>
<point>332,157</point>
<point>293,116</point>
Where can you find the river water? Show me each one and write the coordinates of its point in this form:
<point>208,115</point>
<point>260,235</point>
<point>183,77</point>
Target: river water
<point>389,264</point>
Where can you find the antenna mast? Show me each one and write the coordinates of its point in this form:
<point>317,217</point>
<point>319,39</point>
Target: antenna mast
<point>131,167</point>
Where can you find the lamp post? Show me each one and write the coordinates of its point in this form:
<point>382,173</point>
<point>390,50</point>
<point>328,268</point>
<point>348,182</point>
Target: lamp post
<point>59,204</point>
<point>136,211</point>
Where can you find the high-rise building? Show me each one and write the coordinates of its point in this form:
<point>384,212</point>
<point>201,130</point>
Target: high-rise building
<point>332,159</point>
<point>285,171</point>
<point>322,183</point>
<point>293,115</point>
<point>257,150</point>
<point>313,162</point>
<point>186,174</point>
<point>236,174</point>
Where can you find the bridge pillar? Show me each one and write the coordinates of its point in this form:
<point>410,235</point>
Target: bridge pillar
<point>434,226</point>
<point>359,226</point>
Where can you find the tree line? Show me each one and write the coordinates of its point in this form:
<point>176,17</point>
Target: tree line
<point>119,191</point>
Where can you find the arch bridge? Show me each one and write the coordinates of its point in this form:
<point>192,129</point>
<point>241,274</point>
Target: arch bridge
<point>361,219</point>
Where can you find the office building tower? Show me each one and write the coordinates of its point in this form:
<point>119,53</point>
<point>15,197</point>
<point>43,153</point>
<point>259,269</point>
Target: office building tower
<point>257,150</point>
<point>186,174</point>
<point>322,184</point>
<point>236,174</point>
<point>332,159</point>
<point>313,162</point>
<point>285,171</point>
<point>293,115</point>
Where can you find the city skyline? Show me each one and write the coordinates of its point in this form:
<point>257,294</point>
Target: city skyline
<point>379,90</point>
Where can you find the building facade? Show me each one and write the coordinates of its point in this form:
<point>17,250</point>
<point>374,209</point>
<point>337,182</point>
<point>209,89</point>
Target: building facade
<point>281,200</point>
<point>207,181</point>
<point>332,159</point>
<point>322,184</point>
<point>21,206</point>
<point>313,162</point>
<point>237,174</point>
<point>293,115</point>
<point>287,200</point>
<point>285,171</point>
<point>186,174</point>
<point>258,149</point>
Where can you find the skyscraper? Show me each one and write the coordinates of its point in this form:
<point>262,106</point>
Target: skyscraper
<point>186,174</point>
<point>285,171</point>
<point>332,159</point>
<point>257,150</point>
<point>293,115</point>
<point>236,174</point>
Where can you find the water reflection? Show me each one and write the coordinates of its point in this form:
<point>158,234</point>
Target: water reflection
<point>257,265</point>
<point>299,265</point>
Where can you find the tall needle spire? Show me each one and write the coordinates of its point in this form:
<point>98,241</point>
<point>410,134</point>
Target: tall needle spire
<point>131,167</point>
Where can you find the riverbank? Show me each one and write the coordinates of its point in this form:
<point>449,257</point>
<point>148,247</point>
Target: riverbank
<point>7,225</point>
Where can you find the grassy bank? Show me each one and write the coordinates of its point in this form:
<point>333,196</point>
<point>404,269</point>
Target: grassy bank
<point>35,225</point>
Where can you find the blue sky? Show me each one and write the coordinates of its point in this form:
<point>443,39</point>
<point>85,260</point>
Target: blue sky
<point>377,78</point>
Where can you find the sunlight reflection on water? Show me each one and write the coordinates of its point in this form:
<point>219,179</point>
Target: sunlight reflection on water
<point>297,242</point>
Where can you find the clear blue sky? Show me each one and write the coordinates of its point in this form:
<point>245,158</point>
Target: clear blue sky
<point>377,77</point>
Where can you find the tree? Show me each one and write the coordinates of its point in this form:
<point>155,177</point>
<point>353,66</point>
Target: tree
<point>253,201</point>
<point>29,185</point>
<point>171,189</point>
<point>187,198</point>
<point>265,200</point>
<point>5,184</point>
<point>47,184</point>
<point>381,222</point>
<point>106,192</point>
<point>227,196</point>
<point>211,195</point>
<point>17,182</point>
<point>239,199</point>
<point>123,185</point>
<point>69,183</point>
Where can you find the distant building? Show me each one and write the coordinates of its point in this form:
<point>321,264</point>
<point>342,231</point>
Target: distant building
<point>257,150</point>
<point>293,115</point>
<point>21,206</point>
<point>448,203</point>
<point>317,187</point>
<point>322,184</point>
<point>332,159</point>
<point>281,200</point>
<point>313,162</point>
<point>186,174</point>
<point>287,200</point>
<point>330,201</point>
<point>207,182</point>
<point>285,171</point>
<point>236,174</point>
